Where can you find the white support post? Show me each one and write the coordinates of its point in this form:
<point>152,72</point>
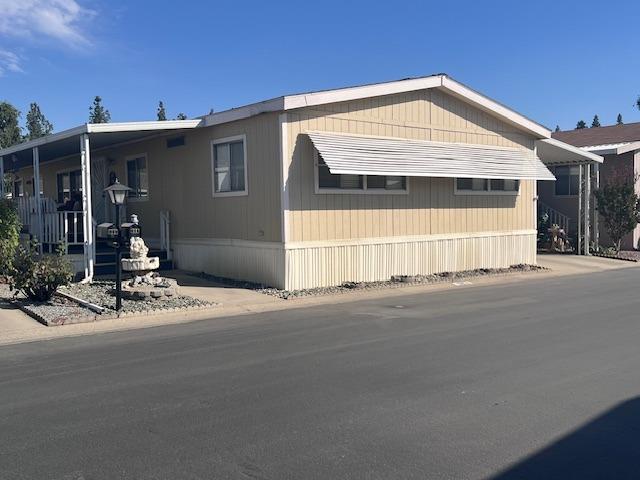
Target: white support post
<point>2,192</point>
<point>36,194</point>
<point>587,208</point>
<point>596,214</point>
<point>87,215</point>
<point>580,225</point>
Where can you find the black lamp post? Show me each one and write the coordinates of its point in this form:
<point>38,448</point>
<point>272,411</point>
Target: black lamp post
<point>117,194</point>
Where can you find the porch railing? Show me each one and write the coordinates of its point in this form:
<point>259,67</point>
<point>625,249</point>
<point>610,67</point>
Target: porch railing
<point>555,217</point>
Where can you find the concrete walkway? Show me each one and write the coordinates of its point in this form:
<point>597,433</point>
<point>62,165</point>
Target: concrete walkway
<point>239,301</point>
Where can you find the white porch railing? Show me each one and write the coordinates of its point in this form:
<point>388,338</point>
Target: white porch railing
<point>165,232</point>
<point>27,207</point>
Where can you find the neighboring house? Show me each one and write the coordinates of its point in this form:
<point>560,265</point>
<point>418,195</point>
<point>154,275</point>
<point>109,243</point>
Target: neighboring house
<point>619,145</point>
<point>355,184</point>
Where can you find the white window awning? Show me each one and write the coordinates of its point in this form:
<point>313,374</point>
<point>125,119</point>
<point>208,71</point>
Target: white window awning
<point>363,155</point>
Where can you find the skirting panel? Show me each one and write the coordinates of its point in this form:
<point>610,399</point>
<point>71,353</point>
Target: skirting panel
<point>316,265</point>
<point>260,262</point>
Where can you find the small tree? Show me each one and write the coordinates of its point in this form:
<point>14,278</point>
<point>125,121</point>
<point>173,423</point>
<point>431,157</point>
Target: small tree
<point>37,124</point>
<point>581,124</point>
<point>557,128</point>
<point>10,133</point>
<point>619,119</point>
<point>9,235</point>
<point>39,276</point>
<point>97,112</point>
<point>181,116</point>
<point>162,114</point>
<point>619,207</point>
<point>596,122</point>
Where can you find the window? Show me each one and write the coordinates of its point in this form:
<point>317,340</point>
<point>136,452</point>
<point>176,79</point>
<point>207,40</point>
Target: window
<point>229,165</point>
<point>492,186</point>
<point>18,190</point>
<point>333,183</point>
<point>175,142</point>
<point>567,180</point>
<point>33,186</point>
<point>138,176</point>
<point>69,184</point>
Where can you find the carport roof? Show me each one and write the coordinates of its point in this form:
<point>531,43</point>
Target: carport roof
<point>102,135</point>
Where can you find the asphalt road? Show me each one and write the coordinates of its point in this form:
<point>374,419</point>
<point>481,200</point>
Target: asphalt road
<point>530,380</point>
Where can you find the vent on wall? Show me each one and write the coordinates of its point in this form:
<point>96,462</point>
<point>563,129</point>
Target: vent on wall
<point>175,142</point>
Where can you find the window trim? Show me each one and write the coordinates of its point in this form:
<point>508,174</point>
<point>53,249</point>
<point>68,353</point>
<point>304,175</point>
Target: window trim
<point>354,191</point>
<point>489,192</point>
<point>236,193</point>
<point>126,173</point>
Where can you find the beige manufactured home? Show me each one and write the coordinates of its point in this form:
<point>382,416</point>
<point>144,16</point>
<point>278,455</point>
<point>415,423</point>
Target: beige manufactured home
<point>356,184</point>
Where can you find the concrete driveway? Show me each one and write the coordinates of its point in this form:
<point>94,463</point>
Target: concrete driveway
<point>520,380</point>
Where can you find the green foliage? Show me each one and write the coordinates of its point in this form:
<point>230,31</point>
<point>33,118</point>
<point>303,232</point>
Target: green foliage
<point>9,235</point>
<point>39,276</point>
<point>557,128</point>
<point>619,207</point>
<point>162,113</point>
<point>581,124</point>
<point>97,112</point>
<point>37,124</point>
<point>181,116</point>
<point>596,122</point>
<point>10,133</point>
<point>619,119</point>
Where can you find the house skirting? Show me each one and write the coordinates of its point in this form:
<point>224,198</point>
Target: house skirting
<point>261,262</point>
<point>319,264</point>
<point>313,264</point>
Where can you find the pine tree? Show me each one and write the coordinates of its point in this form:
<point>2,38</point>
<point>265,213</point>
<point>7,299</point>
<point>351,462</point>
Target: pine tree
<point>181,116</point>
<point>596,122</point>
<point>162,114</point>
<point>581,124</point>
<point>97,112</point>
<point>37,124</point>
<point>619,120</point>
<point>557,128</point>
<point>10,133</point>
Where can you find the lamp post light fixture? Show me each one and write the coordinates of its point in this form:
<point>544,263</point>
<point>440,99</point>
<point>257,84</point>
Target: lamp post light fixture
<point>117,194</point>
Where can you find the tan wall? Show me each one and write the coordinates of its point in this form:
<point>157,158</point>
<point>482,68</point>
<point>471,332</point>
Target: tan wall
<point>180,181</point>
<point>430,207</point>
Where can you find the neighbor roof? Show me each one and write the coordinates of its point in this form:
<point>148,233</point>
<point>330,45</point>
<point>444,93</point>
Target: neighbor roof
<point>440,81</point>
<point>610,136</point>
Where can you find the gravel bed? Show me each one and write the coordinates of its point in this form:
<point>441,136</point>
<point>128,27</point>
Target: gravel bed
<point>54,311</point>
<point>395,282</point>
<point>103,294</point>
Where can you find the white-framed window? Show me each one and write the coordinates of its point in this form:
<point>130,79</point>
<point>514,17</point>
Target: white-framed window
<point>69,185</point>
<point>138,176</point>
<point>567,180</point>
<point>486,186</point>
<point>229,166</point>
<point>327,182</point>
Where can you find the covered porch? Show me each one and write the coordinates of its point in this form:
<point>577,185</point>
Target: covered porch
<point>570,202</point>
<point>65,210</point>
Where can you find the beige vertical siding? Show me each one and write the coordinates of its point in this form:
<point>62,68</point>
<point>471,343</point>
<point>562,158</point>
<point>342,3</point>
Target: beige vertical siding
<point>430,207</point>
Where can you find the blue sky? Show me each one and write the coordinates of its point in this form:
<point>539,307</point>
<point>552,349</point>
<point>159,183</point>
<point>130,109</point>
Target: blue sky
<point>556,62</point>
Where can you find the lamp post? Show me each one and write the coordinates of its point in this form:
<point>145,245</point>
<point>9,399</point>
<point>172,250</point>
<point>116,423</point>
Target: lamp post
<point>117,194</point>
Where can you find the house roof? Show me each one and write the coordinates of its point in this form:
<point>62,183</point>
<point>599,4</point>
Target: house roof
<point>440,81</point>
<point>612,136</point>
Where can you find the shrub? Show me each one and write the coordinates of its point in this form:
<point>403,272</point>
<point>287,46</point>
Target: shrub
<point>9,235</point>
<point>39,276</point>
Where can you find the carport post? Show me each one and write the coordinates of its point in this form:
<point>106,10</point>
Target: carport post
<point>587,208</point>
<point>596,227</point>
<point>87,215</point>
<point>36,194</point>
<point>579,222</point>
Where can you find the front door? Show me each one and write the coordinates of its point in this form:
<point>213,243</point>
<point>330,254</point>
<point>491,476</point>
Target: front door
<point>99,181</point>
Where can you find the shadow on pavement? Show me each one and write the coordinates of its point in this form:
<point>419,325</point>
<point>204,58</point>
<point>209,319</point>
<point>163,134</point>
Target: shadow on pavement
<point>607,447</point>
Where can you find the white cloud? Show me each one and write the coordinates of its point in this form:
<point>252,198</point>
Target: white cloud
<point>9,62</point>
<point>61,20</point>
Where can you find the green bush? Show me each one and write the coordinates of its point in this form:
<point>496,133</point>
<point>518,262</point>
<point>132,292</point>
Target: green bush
<point>39,276</point>
<point>10,226</point>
